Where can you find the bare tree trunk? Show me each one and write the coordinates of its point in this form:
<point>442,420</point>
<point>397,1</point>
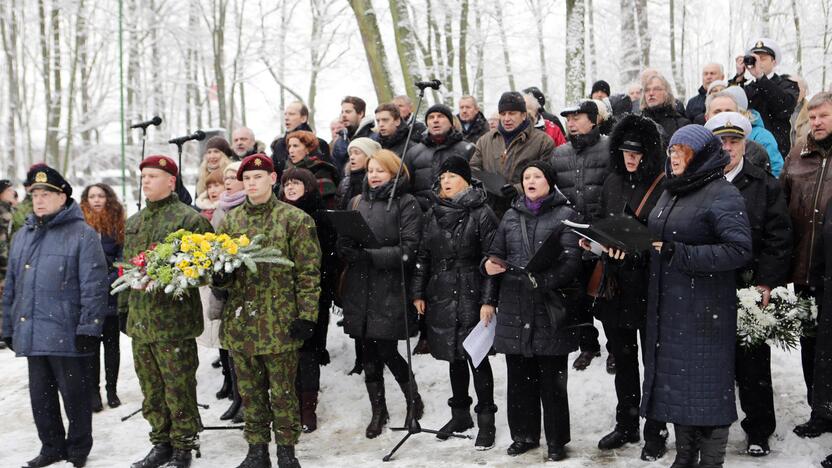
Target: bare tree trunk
<point>826,7</point>
<point>799,52</point>
<point>405,45</point>
<point>593,63</point>
<point>8,30</point>
<point>51,63</point>
<point>479,85</point>
<point>449,53</point>
<point>373,48</point>
<point>501,27</point>
<point>133,62</point>
<point>540,10</point>
<point>678,77</point>
<point>575,65</point>
<point>216,24</point>
<point>630,59</point>
<point>156,63</point>
<point>764,7</point>
<point>643,32</point>
<point>463,48</point>
<point>80,40</point>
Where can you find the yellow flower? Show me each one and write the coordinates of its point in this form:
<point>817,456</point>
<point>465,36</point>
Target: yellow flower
<point>243,241</point>
<point>230,247</point>
<point>190,273</point>
<point>223,238</point>
<point>198,255</point>
<point>186,246</point>
<point>205,246</point>
<point>210,236</point>
<point>183,264</point>
<point>196,238</point>
<point>206,264</point>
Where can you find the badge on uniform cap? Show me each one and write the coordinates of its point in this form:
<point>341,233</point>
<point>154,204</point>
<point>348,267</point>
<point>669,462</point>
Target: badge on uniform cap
<point>258,162</point>
<point>759,45</point>
<point>163,163</point>
<point>41,178</point>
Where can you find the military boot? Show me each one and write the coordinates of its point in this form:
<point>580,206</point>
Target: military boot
<point>286,457</point>
<point>181,459</point>
<point>158,456</point>
<point>257,457</point>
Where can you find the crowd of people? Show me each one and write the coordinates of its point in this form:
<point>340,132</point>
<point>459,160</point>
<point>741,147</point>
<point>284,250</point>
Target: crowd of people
<point>732,187</point>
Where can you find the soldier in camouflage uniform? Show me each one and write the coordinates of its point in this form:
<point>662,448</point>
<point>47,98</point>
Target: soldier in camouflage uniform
<point>164,329</point>
<point>269,314</point>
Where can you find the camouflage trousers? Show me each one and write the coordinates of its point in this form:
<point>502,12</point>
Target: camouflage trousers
<point>167,376</point>
<point>256,376</point>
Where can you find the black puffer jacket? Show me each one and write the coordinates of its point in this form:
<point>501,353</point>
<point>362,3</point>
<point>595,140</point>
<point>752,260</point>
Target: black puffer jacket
<point>349,187</point>
<point>692,298</point>
<point>581,167</point>
<point>771,228</point>
<point>372,293</point>
<point>456,235</point>
<point>396,141</point>
<point>822,388</point>
<point>523,324</point>
<point>476,129</point>
<point>426,157</point>
<point>668,117</point>
<point>628,306</point>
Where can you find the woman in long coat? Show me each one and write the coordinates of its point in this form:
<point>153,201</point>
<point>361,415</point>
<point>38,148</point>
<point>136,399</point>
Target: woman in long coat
<point>703,236</point>
<point>452,294</point>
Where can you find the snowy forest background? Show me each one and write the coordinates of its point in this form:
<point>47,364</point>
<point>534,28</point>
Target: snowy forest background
<point>203,64</point>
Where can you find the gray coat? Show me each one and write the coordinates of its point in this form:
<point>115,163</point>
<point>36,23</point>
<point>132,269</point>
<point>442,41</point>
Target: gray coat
<point>56,286</point>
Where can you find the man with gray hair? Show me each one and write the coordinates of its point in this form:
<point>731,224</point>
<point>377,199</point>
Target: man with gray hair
<point>243,143</point>
<point>405,105</point>
<point>658,104</point>
<point>695,109</point>
<point>474,123</point>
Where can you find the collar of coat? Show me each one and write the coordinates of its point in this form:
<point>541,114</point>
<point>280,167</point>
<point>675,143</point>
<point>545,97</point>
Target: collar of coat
<point>152,205</point>
<point>812,147</point>
<point>748,171</point>
<point>263,207</point>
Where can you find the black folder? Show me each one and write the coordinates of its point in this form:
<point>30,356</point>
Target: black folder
<point>622,232</point>
<point>543,257</point>
<point>491,181</point>
<point>351,224</point>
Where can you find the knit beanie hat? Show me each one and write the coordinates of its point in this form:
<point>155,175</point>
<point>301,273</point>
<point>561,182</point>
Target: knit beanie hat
<point>600,85</point>
<point>221,144</point>
<point>366,145</point>
<point>511,101</point>
<point>442,109</point>
<point>695,136</point>
<point>547,170</point>
<point>456,165</point>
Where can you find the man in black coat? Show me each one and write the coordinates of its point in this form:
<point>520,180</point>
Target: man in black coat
<point>772,95</point>
<point>771,237</point>
<point>474,124</point>
<point>440,142</point>
<point>392,131</point>
<point>295,117</point>
<point>695,109</point>
<point>581,166</point>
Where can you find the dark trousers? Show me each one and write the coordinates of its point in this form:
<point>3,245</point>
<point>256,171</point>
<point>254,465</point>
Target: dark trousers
<point>700,446</point>
<point>808,343</point>
<point>483,383</point>
<point>309,372</point>
<point>69,377</point>
<point>753,371</point>
<point>623,345</point>
<point>378,353</point>
<point>532,381</point>
<point>112,356</point>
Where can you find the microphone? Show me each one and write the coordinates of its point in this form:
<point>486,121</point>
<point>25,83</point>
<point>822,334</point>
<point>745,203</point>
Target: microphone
<point>198,135</point>
<point>428,84</point>
<point>155,121</point>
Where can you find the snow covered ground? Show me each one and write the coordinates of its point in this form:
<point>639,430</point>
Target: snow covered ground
<point>344,411</point>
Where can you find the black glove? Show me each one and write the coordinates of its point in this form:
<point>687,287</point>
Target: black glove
<point>323,357</point>
<point>8,341</point>
<point>302,329</point>
<point>508,191</point>
<point>86,344</point>
<point>122,322</point>
<point>354,254</point>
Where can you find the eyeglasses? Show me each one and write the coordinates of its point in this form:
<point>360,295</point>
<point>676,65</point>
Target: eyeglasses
<point>672,152</point>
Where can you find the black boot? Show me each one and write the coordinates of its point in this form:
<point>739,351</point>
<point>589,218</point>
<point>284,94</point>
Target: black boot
<point>112,397</point>
<point>485,425</point>
<point>619,437</point>
<point>415,406</point>
<point>238,418</point>
<point>158,456</point>
<point>460,418</point>
<point>77,462</point>
<point>519,448</point>
<point>687,448</point>
<point>308,405</point>
<point>585,359</point>
<point>232,410</point>
<point>655,446</point>
<point>379,405</point>
<point>180,459</point>
<point>556,453</point>
<point>712,447</point>
<point>225,390</point>
<point>257,457</point>
<point>95,401</point>
<point>44,460</point>
<point>812,428</point>
<point>827,462</point>
<point>286,457</point>
<point>758,447</point>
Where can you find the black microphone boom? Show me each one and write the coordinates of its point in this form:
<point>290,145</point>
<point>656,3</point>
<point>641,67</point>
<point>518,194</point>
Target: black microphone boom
<point>155,121</point>
<point>198,135</point>
<point>428,84</point>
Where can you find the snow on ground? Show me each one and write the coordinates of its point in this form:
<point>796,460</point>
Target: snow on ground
<point>344,411</point>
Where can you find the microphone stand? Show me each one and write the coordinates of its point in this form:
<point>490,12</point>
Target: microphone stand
<point>414,427</point>
<point>144,139</point>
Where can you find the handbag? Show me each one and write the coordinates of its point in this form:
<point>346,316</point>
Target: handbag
<point>595,286</point>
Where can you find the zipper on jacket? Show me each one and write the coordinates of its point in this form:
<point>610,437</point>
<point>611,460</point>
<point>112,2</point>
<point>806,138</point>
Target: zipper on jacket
<point>818,186</point>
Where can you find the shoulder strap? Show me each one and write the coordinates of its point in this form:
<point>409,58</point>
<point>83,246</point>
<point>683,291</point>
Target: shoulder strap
<point>649,192</point>
<point>525,233</point>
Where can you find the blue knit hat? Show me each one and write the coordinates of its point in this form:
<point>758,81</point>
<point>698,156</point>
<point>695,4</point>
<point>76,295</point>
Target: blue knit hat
<point>695,136</point>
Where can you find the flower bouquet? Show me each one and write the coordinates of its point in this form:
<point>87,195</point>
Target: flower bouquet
<point>188,260</point>
<point>781,323</point>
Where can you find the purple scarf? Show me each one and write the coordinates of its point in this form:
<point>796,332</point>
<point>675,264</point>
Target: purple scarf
<point>230,201</point>
<point>533,206</point>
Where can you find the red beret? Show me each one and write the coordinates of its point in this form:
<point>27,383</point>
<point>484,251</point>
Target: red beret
<point>160,162</point>
<point>255,162</point>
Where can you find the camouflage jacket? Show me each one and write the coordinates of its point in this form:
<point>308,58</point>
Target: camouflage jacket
<point>156,316</point>
<point>20,213</point>
<point>5,239</point>
<point>261,306</point>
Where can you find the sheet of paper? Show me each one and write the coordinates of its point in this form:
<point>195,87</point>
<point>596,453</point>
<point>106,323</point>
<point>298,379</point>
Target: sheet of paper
<point>479,341</point>
<point>594,246</point>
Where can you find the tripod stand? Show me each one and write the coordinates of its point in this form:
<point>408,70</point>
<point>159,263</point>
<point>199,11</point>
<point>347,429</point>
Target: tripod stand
<point>413,427</point>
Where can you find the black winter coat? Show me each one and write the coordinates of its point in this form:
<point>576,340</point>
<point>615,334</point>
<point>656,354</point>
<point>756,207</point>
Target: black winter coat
<point>581,167</point>
<point>695,110</point>
<point>473,131</point>
<point>771,228</point>
<point>692,302</point>
<point>822,389</point>
<point>424,160</point>
<point>455,236</point>
<point>668,117</point>
<point>349,187</point>
<point>775,100</point>
<point>523,324</point>
<point>396,141</point>
<point>372,293</point>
